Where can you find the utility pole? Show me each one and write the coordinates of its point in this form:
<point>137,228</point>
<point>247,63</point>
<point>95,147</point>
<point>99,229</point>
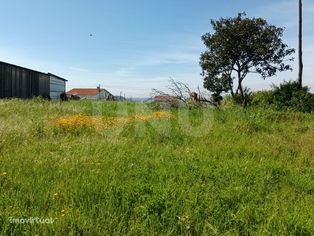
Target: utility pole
<point>300,76</point>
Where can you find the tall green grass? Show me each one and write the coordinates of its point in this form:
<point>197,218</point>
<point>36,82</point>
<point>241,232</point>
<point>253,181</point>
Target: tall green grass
<point>204,172</point>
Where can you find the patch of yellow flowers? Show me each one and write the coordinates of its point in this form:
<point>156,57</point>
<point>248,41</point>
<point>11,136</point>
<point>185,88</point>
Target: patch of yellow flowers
<point>99,123</point>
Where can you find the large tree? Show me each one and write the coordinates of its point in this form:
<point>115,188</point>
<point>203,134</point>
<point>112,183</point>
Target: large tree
<point>239,46</point>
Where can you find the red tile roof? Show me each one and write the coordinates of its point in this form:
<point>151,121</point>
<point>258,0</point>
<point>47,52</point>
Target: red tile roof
<point>83,91</point>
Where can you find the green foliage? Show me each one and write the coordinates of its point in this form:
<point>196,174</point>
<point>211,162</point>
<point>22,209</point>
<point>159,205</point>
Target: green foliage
<point>262,98</point>
<point>244,99</point>
<point>240,46</point>
<point>228,102</point>
<point>237,100</point>
<point>289,95</point>
<point>240,176</point>
<point>216,99</point>
<point>286,96</point>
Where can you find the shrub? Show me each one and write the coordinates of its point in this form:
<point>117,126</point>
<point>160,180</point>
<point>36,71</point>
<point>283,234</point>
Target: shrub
<point>228,102</point>
<point>244,100</point>
<point>289,96</point>
<point>262,98</point>
<point>237,100</point>
<point>216,99</point>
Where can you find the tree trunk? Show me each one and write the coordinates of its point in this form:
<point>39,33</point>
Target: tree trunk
<point>300,46</point>
<point>240,88</point>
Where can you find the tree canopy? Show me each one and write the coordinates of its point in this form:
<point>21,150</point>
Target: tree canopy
<point>240,46</point>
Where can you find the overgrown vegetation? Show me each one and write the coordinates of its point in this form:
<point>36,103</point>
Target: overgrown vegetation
<point>289,95</point>
<point>286,96</point>
<point>229,172</point>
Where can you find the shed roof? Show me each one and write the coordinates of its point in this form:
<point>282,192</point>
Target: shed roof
<point>58,77</point>
<point>2,62</point>
<point>33,70</point>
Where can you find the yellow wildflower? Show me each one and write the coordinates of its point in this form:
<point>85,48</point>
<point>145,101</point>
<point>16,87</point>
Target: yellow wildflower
<point>98,123</point>
<point>62,212</point>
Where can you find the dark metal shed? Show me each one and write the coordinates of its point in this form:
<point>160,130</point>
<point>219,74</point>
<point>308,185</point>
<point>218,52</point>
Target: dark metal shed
<point>57,86</point>
<point>20,82</point>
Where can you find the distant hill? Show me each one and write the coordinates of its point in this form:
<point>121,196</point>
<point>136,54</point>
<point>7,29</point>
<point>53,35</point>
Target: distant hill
<point>133,99</point>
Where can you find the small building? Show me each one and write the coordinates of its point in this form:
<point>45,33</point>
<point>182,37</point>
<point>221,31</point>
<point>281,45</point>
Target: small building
<point>167,100</point>
<point>91,93</point>
<point>20,82</point>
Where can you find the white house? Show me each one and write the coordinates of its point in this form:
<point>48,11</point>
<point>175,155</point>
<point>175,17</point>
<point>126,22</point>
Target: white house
<point>91,93</point>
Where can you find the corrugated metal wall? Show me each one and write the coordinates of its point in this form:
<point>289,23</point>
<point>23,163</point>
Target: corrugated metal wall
<point>57,87</point>
<point>20,82</point>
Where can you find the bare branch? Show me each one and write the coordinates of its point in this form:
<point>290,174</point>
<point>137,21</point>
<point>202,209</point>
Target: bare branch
<point>181,91</point>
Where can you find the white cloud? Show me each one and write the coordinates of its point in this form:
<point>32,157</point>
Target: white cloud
<point>157,60</point>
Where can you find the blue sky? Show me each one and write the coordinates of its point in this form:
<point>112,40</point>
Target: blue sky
<point>136,45</point>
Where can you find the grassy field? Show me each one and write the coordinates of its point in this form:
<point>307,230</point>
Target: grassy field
<point>107,168</point>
